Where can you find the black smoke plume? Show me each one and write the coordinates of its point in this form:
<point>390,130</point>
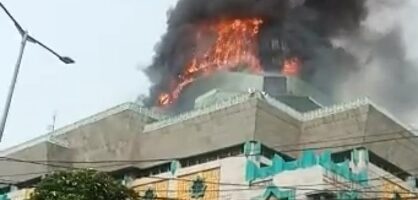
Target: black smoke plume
<point>367,63</point>
<point>305,27</point>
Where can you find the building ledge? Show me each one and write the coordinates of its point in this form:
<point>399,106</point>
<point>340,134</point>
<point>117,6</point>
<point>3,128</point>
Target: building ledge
<point>51,137</point>
<point>301,116</point>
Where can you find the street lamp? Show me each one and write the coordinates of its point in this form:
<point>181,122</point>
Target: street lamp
<point>25,38</point>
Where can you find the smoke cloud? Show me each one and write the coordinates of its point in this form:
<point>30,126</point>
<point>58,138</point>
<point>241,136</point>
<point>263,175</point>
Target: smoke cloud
<point>349,48</point>
<point>384,47</point>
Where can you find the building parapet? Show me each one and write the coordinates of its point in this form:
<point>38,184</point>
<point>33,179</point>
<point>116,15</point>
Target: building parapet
<point>221,105</point>
<point>334,109</point>
<point>51,137</point>
<point>165,120</point>
<point>308,116</point>
<point>409,128</point>
<point>197,112</point>
<point>322,112</point>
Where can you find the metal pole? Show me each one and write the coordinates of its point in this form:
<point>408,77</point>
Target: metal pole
<point>13,85</point>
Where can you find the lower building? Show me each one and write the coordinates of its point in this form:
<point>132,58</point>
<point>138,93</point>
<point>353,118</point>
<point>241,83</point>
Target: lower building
<point>253,171</point>
<point>233,142</point>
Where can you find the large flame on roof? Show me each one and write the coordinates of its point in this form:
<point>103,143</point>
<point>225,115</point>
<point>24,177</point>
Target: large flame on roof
<point>235,47</point>
<point>291,66</point>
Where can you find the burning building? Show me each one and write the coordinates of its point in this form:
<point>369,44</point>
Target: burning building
<point>253,84</point>
<point>329,44</point>
<point>281,37</point>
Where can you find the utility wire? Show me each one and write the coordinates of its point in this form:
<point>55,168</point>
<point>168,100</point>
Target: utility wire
<point>297,187</point>
<point>219,183</point>
<point>302,187</point>
<point>350,145</point>
<point>354,144</point>
<point>49,163</point>
<point>288,188</point>
<point>336,139</point>
<point>132,161</point>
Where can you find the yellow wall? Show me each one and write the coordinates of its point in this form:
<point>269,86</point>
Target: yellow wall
<point>211,178</point>
<point>390,188</point>
<point>160,188</point>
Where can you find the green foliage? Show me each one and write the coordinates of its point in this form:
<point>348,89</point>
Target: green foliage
<point>81,185</point>
<point>397,197</point>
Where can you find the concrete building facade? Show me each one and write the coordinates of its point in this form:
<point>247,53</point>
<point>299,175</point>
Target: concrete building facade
<point>208,144</point>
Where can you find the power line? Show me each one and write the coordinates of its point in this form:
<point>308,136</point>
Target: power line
<point>133,161</point>
<point>275,147</point>
<point>49,163</point>
<point>294,187</point>
<point>297,187</point>
<point>336,139</point>
<point>180,179</point>
<point>350,145</point>
<point>288,188</point>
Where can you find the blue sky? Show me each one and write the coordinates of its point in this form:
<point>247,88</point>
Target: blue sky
<point>109,39</point>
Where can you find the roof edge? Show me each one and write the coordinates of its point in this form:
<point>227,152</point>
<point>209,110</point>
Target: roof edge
<point>88,120</point>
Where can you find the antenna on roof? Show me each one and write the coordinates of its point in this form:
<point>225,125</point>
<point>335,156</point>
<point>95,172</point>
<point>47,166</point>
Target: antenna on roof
<point>51,127</point>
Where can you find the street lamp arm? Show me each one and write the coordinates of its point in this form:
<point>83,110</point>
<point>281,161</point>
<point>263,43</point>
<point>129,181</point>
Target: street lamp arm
<point>64,59</point>
<point>29,38</point>
<point>25,38</point>
<point>17,25</point>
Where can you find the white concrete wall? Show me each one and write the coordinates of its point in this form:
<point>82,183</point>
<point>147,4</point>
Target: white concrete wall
<point>22,194</point>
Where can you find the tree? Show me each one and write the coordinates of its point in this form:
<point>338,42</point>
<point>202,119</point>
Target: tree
<point>81,185</point>
<point>397,196</point>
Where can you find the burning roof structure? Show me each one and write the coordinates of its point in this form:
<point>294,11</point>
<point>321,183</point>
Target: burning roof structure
<point>294,38</point>
<point>256,36</point>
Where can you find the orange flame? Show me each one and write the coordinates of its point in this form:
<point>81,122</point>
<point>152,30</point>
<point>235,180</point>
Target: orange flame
<point>291,66</point>
<point>164,99</point>
<point>235,46</point>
